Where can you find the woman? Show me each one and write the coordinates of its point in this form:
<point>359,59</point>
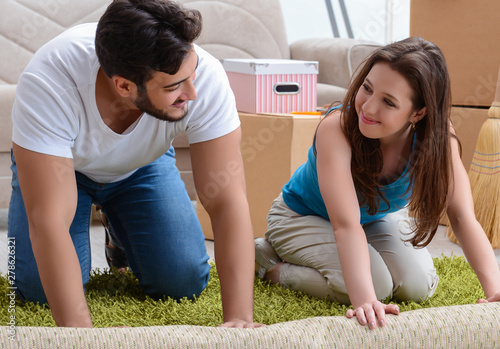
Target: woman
<point>340,227</point>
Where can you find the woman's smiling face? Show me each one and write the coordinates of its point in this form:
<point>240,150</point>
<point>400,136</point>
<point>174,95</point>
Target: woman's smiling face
<point>384,104</point>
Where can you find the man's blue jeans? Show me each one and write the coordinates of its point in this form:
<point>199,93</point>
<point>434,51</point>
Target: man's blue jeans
<point>151,217</point>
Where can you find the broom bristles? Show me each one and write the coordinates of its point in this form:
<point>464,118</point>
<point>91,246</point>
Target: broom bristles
<point>484,175</point>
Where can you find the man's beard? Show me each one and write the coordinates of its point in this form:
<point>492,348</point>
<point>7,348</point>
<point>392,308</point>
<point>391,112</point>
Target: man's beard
<point>144,104</point>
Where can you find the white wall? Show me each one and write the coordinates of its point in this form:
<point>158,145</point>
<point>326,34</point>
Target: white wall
<point>381,21</point>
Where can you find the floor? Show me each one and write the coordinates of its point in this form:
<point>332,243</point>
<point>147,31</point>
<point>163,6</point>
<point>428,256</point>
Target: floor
<point>440,245</point>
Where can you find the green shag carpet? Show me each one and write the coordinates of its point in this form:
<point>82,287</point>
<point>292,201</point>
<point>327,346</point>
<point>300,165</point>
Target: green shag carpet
<point>117,300</point>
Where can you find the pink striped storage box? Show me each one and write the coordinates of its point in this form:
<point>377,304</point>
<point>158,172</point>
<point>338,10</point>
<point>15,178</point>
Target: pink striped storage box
<point>273,85</point>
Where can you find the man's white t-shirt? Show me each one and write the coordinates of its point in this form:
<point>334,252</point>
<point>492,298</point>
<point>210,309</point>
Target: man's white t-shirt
<point>55,111</point>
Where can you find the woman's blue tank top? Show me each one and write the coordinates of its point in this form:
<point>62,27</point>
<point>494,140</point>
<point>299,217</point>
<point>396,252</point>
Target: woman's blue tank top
<point>302,193</point>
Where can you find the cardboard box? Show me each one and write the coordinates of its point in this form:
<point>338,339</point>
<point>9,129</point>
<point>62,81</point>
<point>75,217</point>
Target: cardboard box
<point>467,32</point>
<point>272,85</point>
<point>273,146</point>
<point>183,163</point>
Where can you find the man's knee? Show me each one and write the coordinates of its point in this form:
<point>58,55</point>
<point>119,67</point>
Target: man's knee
<point>188,281</point>
<point>29,288</point>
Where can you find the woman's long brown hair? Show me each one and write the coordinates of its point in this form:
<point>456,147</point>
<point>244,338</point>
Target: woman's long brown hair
<point>423,65</point>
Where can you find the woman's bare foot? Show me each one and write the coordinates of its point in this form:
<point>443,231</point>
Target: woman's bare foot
<point>273,274</point>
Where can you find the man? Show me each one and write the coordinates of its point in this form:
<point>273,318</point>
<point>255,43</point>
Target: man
<point>95,113</point>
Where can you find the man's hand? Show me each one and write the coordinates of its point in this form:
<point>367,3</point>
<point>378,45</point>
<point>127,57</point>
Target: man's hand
<point>495,298</point>
<point>241,324</point>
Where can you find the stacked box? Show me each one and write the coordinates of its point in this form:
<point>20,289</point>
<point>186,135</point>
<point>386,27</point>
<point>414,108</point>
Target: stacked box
<point>273,85</point>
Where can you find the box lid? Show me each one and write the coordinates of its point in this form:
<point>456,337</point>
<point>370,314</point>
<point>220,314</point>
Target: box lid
<point>255,66</point>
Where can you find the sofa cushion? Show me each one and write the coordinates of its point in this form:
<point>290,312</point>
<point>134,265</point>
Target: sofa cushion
<point>328,94</point>
<point>226,26</point>
<point>26,25</point>
<point>7,94</point>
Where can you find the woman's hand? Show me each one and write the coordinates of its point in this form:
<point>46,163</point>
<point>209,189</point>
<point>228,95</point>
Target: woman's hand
<point>495,298</point>
<point>368,313</point>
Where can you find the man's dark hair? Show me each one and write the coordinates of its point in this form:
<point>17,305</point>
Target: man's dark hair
<point>135,38</point>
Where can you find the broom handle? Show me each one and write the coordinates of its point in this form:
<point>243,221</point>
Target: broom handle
<point>494,111</point>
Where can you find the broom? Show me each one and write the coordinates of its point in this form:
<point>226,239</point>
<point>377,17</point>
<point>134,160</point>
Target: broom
<point>484,175</point>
